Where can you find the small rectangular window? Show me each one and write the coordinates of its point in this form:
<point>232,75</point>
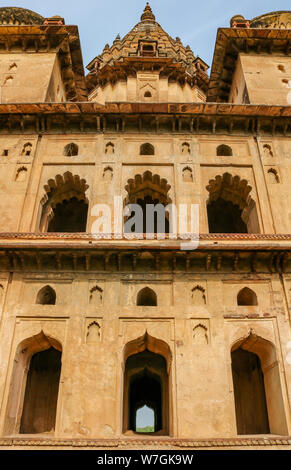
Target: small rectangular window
<point>147,50</point>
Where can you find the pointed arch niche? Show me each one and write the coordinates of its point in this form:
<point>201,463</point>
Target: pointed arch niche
<point>64,205</point>
<point>33,393</point>
<point>146,297</point>
<point>198,295</point>
<point>230,208</point>
<point>147,379</point>
<point>259,405</point>
<point>46,296</point>
<point>247,297</point>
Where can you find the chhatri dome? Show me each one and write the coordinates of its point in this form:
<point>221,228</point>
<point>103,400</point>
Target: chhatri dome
<point>19,16</point>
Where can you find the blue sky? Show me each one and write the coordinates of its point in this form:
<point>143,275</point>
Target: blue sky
<point>144,417</point>
<point>195,22</point>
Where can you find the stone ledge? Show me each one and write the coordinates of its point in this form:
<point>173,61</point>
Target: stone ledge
<point>157,442</point>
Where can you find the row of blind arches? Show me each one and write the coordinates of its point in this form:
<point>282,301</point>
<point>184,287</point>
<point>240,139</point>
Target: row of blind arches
<point>147,148</point>
<point>148,297</point>
<point>72,149</point>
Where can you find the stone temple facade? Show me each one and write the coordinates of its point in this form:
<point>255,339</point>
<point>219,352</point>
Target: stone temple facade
<point>94,328</point>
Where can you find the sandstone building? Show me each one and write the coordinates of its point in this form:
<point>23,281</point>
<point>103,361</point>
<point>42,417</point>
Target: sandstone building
<point>94,328</point>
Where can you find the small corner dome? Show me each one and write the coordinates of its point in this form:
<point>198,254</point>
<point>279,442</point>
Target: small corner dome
<point>19,16</point>
<point>273,20</point>
<point>236,18</point>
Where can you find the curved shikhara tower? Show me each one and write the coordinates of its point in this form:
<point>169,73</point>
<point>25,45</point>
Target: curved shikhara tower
<point>147,66</point>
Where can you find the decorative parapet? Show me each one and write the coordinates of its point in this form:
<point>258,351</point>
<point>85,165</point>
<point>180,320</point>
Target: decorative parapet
<point>54,20</point>
<point>238,21</point>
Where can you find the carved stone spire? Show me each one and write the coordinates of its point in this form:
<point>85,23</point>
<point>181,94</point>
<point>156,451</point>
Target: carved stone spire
<point>148,14</point>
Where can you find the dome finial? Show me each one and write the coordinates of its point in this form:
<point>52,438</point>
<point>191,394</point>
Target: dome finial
<point>147,14</point>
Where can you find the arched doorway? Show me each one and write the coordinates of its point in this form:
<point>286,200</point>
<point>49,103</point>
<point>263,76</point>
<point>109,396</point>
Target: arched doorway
<point>33,396</point>
<point>150,193</point>
<point>259,405</point>
<point>249,393</point>
<point>230,208</point>
<point>41,392</point>
<point>65,205</point>
<point>147,363</point>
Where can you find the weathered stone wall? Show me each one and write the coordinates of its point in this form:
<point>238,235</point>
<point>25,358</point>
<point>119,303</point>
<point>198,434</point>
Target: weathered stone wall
<point>263,162</point>
<point>94,320</point>
<point>201,389</point>
<point>30,78</point>
<point>266,79</point>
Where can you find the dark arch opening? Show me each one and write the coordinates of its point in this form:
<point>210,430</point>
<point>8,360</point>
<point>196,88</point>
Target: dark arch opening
<point>26,150</point>
<point>150,194</point>
<point>41,392</point>
<point>230,207</point>
<point>150,202</point>
<point>69,216</point>
<point>259,403</point>
<point>145,390</point>
<point>148,95</point>
<point>147,149</point>
<point>71,150</point>
<point>225,217</point>
<point>147,297</point>
<point>46,296</point>
<point>247,296</point>
<point>146,383</point>
<point>224,151</point>
<point>64,205</point>
<point>249,393</point>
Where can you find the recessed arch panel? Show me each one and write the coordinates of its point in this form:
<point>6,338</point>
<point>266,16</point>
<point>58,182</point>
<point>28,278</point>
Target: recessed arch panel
<point>147,362</point>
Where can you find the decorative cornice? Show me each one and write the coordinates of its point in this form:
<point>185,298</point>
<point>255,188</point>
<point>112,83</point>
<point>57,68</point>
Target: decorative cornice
<point>163,442</point>
<point>86,252</point>
<point>166,66</point>
<point>110,236</point>
<point>193,118</point>
<point>207,109</point>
